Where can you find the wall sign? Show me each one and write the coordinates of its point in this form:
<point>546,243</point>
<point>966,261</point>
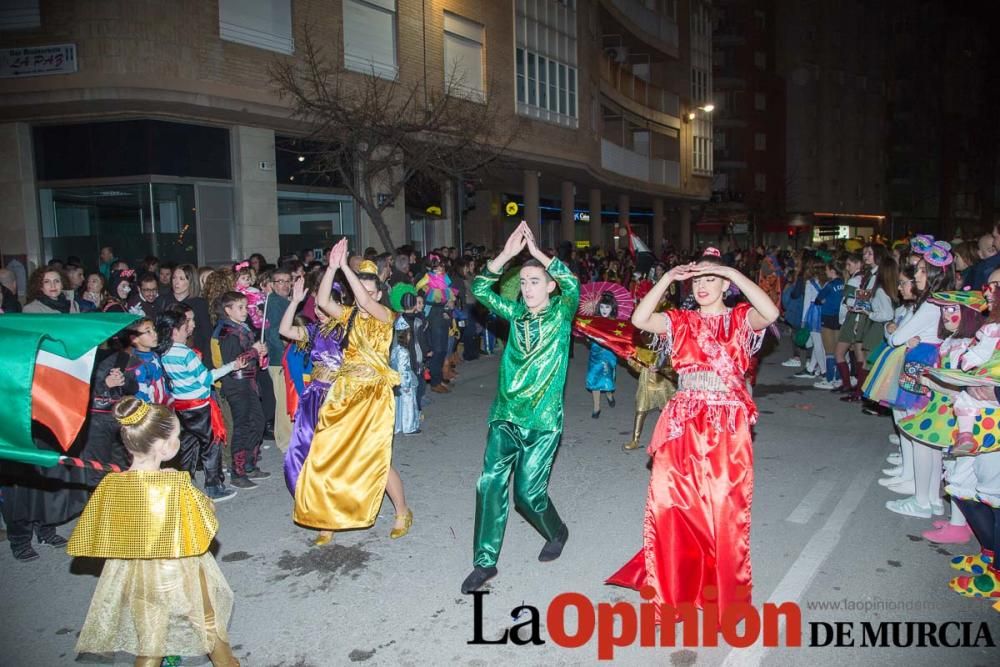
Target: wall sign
<point>38,61</point>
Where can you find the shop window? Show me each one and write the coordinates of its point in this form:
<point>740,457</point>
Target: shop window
<point>136,220</point>
<point>312,221</point>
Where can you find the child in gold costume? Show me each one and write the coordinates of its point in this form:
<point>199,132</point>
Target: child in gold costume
<point>160,592</point>
<point>652,391</point>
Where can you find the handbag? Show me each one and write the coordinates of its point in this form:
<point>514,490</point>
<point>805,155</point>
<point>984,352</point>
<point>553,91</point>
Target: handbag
<point>909,378</point>
<point>801,338</point>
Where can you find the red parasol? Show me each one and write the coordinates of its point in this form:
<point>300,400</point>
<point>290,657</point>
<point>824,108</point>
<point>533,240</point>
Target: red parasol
<point>591,293</point>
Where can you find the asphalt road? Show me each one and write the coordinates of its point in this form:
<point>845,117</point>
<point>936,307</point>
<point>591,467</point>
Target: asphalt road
<point>821,535</point>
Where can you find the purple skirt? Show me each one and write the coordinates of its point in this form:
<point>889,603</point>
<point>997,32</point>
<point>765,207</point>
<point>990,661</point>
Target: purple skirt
<point>302,431</point>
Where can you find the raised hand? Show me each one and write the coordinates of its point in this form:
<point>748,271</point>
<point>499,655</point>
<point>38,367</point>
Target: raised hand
<point>515,242</point>
<point>299,290</point>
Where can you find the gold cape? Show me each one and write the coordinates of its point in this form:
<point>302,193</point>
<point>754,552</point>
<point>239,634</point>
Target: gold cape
<point>138,514</point>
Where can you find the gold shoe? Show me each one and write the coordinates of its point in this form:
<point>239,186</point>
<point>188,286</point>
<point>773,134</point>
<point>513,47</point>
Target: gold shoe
<point>407,522</point>
<point>630,445</point>
<point>324,537</point>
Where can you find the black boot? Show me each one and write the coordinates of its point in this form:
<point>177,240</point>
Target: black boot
<point>478,577</point>
<point>553,548</point>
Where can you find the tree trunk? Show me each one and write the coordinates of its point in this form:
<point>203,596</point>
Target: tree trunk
<point>378,222</point>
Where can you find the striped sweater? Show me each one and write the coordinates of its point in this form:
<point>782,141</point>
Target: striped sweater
<point>189,378</point>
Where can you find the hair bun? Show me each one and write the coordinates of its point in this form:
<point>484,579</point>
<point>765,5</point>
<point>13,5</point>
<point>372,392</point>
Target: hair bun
<point>130,411</point>
<point>711,252</point>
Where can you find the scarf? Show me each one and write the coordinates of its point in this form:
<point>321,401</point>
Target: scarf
<point>61,304</point>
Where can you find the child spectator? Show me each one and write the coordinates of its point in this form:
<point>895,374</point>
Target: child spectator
<point>236,340</point>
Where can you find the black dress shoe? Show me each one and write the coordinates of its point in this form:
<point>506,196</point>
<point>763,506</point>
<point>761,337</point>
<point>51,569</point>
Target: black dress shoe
<point>478,577</point>
<point>553,549</point>
<point>242,483</point>
<point>257,473</point>
<point>611,401</point>
<point>24,552</point>
<point>54,540</point>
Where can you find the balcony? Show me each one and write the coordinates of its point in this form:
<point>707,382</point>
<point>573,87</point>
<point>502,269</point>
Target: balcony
<point>622,161</point>
<point>638,91</point>
<point>662,29</point>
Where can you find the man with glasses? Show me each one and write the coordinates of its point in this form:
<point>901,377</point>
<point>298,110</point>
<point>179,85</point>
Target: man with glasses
<point>141,301</point>
<point>277,303</point>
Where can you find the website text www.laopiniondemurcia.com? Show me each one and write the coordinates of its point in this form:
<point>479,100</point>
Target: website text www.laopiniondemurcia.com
<point>741,625</point>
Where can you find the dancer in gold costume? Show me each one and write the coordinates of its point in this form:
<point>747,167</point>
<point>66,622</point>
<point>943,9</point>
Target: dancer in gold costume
<point>348,467</point>
<point>654,389</point>
<point>160,592</point>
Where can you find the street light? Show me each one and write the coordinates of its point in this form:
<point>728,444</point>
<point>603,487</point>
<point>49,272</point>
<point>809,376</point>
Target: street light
<point>708,108</point>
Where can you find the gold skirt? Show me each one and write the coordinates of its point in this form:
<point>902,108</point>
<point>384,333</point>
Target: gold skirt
<point>343,478</point>
<point>158,607</point>
<point>653,390</point>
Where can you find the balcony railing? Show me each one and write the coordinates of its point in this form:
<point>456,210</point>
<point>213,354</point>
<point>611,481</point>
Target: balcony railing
<point>639,90</point>
<point>629,163</point>
<point>656,24</point>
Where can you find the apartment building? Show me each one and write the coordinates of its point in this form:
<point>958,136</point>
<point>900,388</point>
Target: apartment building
<point>154,127</point>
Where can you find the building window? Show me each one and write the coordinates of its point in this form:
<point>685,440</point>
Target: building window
<point>546,53</point>
<point>760,141</point>
<point>370,37</point>
<point>309,220</point>
<point>760,59</point>
<point>760,101</point>
<point>760,182</point>
<point>463,56</point>
<point>265,24</point>
<point>701,87</point>
<point>136,219</point>
<point>20,15</point>
<point>760,18</point>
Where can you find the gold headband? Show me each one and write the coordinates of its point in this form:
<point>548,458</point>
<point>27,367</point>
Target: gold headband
<point>137,416</point>
<point>368,266</point>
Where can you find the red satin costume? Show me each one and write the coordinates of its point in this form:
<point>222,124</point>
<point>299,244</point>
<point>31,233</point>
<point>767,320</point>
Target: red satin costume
<point>696,531</point>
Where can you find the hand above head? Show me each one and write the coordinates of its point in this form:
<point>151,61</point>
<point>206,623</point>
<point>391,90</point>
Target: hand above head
<point>338,254</point>
<point>515,242</point>
<point>679,272</point>
<point>299,290</point>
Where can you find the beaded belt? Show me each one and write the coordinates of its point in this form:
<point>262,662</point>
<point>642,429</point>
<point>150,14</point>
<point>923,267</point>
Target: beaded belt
<point>700,381</point>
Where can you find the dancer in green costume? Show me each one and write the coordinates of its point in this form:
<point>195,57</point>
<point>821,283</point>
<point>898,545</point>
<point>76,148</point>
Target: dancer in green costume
<point>526,420</point>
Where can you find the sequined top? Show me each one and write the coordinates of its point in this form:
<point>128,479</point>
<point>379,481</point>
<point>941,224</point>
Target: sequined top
<point>366,357</point>
<point>533,367</point>
<point>139,514</point>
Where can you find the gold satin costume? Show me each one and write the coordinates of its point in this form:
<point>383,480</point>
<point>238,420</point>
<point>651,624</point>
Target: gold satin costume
<point>343,479</point>
<point>161,591</point>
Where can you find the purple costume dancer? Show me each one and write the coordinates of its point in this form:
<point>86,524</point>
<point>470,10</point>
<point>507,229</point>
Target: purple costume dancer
<point>326,356</point>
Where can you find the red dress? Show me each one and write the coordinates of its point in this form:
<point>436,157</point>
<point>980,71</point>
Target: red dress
<point>696,532</point>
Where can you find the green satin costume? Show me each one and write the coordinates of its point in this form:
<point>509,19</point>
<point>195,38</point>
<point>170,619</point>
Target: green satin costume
<point>526,419</point>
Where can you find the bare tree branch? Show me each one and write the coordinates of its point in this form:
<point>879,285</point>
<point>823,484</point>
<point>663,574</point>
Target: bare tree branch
<point>374,134</point>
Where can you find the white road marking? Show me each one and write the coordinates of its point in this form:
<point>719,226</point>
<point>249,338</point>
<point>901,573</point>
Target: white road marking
<point>803,570</point>
<point>812,502</point>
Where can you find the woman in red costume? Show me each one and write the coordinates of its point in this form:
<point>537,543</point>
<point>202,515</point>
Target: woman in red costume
<point>696,533</point>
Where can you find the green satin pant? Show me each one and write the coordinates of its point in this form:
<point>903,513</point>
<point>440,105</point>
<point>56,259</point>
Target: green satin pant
<point>529,454</point>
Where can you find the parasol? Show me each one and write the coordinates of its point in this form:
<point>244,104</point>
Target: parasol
<point>590,295</point>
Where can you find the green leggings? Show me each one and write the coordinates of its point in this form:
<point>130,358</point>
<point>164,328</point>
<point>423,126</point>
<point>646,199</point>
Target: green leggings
<point>530,454</point>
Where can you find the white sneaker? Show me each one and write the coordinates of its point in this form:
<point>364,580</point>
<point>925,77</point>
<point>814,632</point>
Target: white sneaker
<point>909,507</point>
<point>791,363</point>
<point>826,384</point>
<point>896,472</point>
<point>886,481</point>
<point>805,375</point>
<point>893,440</point>
<point>895,458</point>
<point>937,507</point>
<point>904,487</point>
